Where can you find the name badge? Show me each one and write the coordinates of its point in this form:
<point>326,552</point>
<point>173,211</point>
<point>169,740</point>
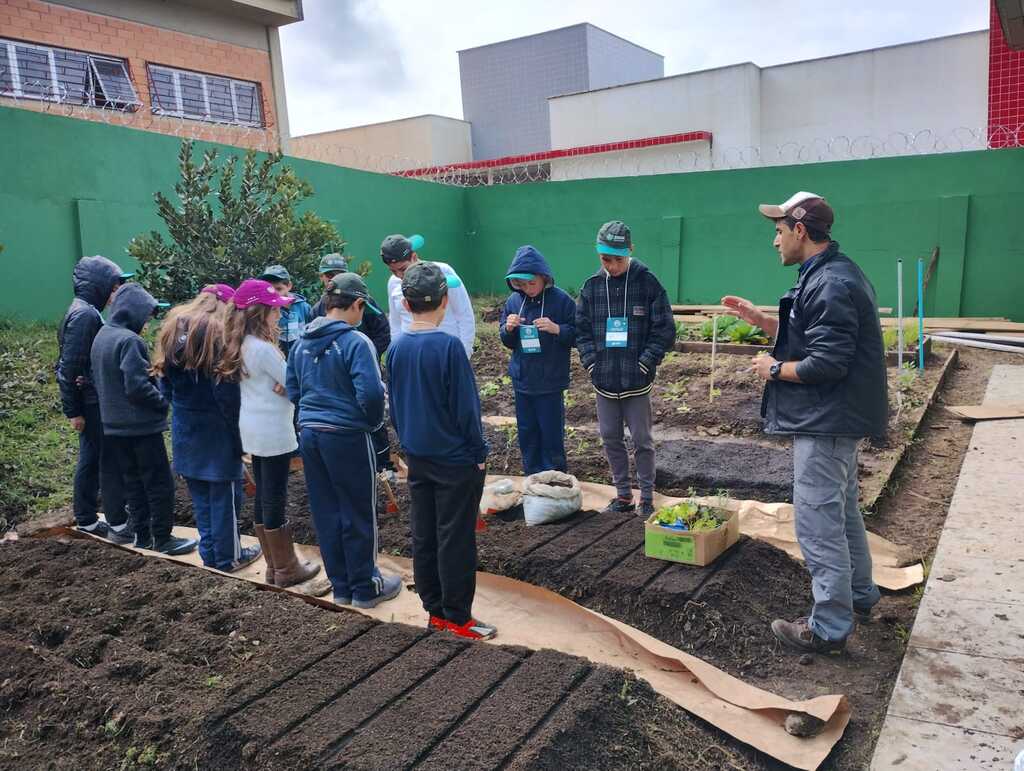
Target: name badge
<point>616,333</point>
<point>529,338</point>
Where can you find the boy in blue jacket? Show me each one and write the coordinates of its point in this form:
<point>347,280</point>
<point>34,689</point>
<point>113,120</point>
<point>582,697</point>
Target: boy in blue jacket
<point>295,316</point>
<point>538,323</point>
<point>134,414</point>
<point>334,380</point>
<point>435,409</point>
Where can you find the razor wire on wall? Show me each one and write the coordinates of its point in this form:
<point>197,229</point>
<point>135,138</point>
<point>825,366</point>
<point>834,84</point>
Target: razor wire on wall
<point>660,159</point>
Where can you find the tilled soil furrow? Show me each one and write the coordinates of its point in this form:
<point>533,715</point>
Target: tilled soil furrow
<point>470,711</point>
<point>283,708</point>
<point>581,574</point>
<point>421,713</point>
<point>508,716</point>
<point>535,566</point>
<point>317,739</point>
<point>352,627</point>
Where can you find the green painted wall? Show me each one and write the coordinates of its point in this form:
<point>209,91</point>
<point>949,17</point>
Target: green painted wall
<point>72,187</point>
<point>702,234</point>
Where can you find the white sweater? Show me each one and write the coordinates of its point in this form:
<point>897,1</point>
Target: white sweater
<point>459,320</point>
<point>265,420</point>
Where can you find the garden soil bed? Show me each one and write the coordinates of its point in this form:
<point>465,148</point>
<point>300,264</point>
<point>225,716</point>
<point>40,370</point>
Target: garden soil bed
<point>114,660</point>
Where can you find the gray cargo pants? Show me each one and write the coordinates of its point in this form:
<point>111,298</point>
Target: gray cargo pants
<point>612,416</point>
<point>830,531</point>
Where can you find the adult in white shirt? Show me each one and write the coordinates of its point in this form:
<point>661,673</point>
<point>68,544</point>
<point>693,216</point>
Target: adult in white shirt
<point>398,253</point>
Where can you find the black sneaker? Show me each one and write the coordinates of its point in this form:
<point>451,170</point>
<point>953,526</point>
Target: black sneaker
<point>143,541</point>
<point>799,636</point>
<point>98,528</point>
<point>123,537</point>
<point>646,509</point>
<point>619,506</point>
<point>861,614</point>
<point>249,555</point>
<point>174,546</point>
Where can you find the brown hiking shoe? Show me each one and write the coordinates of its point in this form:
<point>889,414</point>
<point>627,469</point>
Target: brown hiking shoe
<point>798,636</point>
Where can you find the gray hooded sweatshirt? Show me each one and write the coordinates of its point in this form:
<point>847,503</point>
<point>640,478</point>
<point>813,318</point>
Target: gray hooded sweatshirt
<point>130,400</point>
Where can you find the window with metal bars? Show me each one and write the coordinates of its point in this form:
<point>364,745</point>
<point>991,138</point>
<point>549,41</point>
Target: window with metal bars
<point>30,71</point>
<point>198,96</point>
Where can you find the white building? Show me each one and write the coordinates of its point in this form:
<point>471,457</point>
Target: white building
<point>931,95</point>
<point>397,145</point>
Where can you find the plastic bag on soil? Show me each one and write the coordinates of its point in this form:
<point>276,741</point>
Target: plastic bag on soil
<point>550,496</point>
<point>500,496</point>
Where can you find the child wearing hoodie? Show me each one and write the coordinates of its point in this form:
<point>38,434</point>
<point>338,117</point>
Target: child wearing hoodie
<point>134,414</point>
<point>205,444</point>
<point>253,360</point>
<point>96,279</point>
<point>538,323</point>
<point>296,314</point>
<point>334,379</point>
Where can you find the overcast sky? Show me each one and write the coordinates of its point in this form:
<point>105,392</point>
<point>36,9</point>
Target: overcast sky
<point>352,62</point>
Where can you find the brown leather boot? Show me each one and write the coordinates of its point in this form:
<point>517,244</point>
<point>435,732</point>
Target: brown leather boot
<point>261,533</point>
<point>288,568</point>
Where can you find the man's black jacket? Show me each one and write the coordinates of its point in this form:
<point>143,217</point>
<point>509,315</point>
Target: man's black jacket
<point>828,324</point>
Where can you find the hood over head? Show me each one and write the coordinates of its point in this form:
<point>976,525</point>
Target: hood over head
<point>94,279</point>
<point>529,260</point>
<point>133,306</point>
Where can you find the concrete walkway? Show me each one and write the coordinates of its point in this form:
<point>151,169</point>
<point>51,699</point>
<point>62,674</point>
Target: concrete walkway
<point>959,699</point>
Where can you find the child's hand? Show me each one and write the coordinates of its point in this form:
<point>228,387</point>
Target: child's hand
<point>511,322</point>
<point>77,423</point>
<point>544,324</point>
<point>280,390</point>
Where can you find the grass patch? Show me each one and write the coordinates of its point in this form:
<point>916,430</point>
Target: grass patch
<point>38,448</point>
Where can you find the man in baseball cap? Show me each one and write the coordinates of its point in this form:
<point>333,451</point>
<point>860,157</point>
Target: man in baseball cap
<point>825,385</point>
<point>399,253</point>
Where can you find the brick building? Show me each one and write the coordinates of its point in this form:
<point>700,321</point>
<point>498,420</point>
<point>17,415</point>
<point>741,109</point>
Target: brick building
<point>206,68</point>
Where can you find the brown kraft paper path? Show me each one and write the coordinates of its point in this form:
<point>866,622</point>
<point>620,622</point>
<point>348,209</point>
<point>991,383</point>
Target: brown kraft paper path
<point>537,618</point>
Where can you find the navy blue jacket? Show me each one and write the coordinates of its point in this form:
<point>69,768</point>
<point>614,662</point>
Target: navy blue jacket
<point>94,279</point>
<point>334,379</point>
<point>435,406</point>
<point>828,324</point>
<point>547,371</point>
<point>131,403</point>
<point>205,443</point>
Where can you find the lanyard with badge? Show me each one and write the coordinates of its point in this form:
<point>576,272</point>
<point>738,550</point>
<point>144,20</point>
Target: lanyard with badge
<point>529,335</point>
<point>616,330</point>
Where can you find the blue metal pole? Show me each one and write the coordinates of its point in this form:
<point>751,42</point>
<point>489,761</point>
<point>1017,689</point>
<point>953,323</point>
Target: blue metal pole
<point>920,314</point>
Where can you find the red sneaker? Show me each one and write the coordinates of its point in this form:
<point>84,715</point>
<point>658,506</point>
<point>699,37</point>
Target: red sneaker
<point>437,623</point>
<point>472,629</point>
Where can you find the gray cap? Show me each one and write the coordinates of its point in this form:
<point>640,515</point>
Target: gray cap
<point>614,238</point>
<point>274,273</point>
<point>352,285</point>
<point>424,281</point>
<point>333,263</point>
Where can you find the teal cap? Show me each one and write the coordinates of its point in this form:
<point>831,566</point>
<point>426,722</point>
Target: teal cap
<point>521,276</point>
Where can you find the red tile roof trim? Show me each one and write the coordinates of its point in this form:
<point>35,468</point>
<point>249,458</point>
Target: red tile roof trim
<point>519,160</point>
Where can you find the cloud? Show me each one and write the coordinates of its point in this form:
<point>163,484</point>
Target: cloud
<point>360,61</point>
